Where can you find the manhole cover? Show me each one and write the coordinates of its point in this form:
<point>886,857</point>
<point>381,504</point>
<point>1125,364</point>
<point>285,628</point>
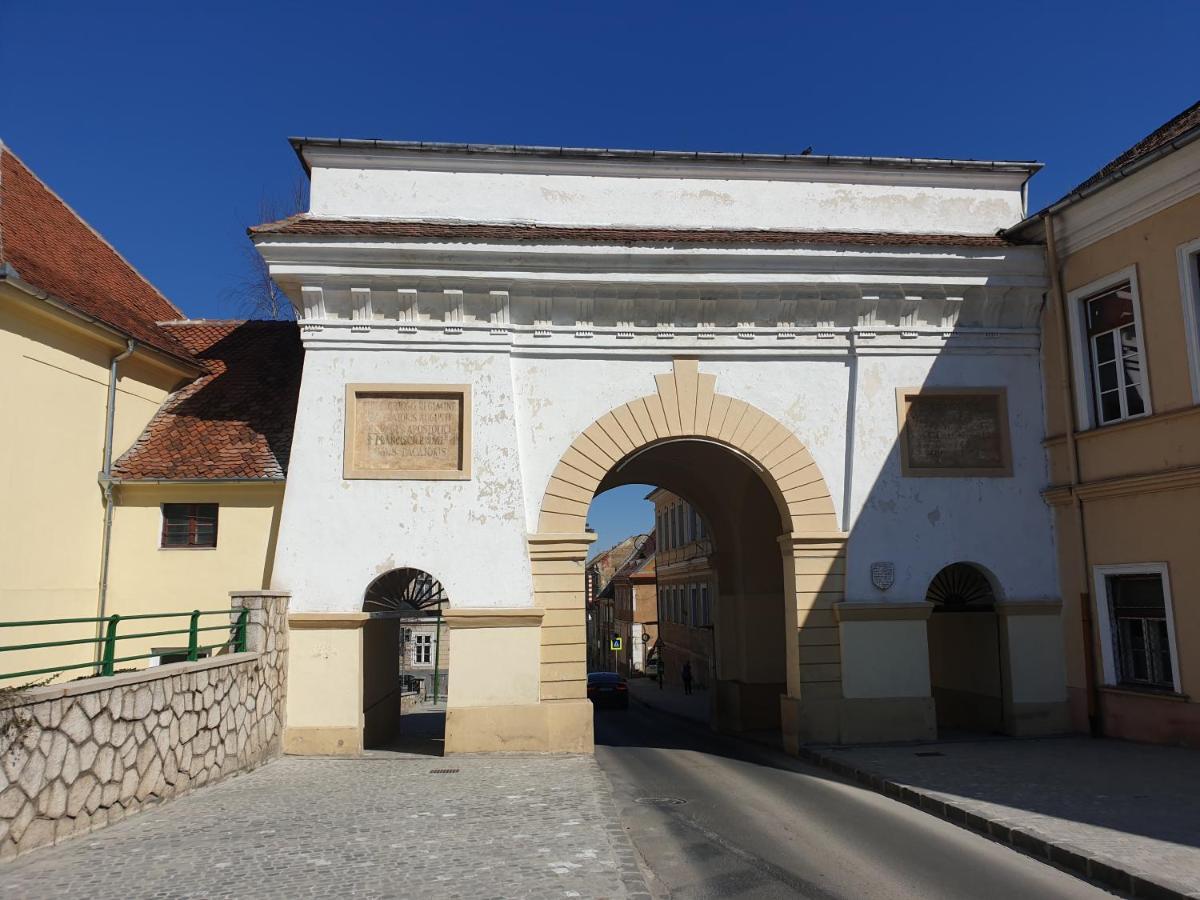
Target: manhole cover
<point>443,771</point>
<point>661,801</point>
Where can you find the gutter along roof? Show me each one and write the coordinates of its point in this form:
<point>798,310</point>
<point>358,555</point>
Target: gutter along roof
<point>809,160</point>
<point>1173,135</point>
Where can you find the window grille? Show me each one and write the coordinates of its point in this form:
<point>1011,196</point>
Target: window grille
<point>1142,646</point>
<point>189,525</point>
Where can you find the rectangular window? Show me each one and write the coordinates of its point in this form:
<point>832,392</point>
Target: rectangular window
<point>694,604</point>
<point>1117,362</point>
<point>423,649</point>
<point>189,525</point>
<point>705,609</point>
<point>1142,646</point>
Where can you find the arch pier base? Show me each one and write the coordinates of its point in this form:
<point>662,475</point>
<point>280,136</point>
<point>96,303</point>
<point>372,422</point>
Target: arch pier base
<point>886,663</point>
<point>520,675</point>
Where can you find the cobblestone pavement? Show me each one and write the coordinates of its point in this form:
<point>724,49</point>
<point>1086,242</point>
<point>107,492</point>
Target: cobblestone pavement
<point>385,826</point>
<point>1131,806</point>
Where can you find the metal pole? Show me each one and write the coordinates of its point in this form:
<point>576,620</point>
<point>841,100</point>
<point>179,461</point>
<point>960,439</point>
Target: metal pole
<point>437,652</point>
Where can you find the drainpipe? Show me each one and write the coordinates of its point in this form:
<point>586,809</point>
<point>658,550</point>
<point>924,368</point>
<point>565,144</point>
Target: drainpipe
<point>106,485</point>
<point>1091,683</point>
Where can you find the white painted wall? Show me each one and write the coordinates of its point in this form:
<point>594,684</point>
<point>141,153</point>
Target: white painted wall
<point>923,524</point>
<point>664,202</point>
<point>538,381</point>
<point>336,535</point>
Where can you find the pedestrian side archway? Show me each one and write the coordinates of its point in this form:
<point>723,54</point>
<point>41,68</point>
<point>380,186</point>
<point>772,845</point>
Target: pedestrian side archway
<point>783,557</point>
<point>402,655</point>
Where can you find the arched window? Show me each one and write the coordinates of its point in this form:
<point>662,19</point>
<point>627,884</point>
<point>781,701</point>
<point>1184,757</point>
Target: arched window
<point>404,590</point>
<point>961,586</point>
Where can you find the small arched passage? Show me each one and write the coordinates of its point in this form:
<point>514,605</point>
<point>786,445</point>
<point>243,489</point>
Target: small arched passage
<point>966,670</point>
<point>403,631</point>
<point>780,555</point>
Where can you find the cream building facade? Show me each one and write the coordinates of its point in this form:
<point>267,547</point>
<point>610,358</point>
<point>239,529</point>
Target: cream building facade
<point>687,589</point>
<point>635,609</point>
<point>1122,368</point>
<point>835,359</point>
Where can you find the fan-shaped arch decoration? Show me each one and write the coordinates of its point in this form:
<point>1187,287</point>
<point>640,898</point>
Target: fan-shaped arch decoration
<point>960,586</point>
<point>404,590</point>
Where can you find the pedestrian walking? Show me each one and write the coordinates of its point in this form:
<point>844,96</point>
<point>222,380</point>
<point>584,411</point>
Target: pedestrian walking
<point>686,675</point>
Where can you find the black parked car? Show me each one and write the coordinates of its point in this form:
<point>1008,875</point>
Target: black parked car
<point>608,689</point>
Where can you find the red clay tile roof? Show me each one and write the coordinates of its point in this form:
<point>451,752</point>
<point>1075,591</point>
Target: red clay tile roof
<point>467,231</point>
<point>235,420</point>
<point>1160,137</point>
<point>53,249</point>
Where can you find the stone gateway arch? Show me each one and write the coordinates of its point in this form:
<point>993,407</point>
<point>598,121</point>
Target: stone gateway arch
<point>834,360</point>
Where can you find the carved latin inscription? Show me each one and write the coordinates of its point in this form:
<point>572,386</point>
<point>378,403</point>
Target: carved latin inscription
<point>954,432</point>
<point>407,431</point>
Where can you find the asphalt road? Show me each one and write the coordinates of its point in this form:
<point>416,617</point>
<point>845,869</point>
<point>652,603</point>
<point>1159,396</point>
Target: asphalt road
<point>757,824</point>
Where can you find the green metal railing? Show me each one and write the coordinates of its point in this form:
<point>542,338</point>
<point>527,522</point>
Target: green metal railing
<point>105,656</point>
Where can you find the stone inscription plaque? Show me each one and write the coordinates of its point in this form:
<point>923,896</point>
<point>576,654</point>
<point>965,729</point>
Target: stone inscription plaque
<point>396,433</point>
<point>950,433</point>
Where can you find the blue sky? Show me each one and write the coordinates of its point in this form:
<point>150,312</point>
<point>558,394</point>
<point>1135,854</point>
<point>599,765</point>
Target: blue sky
<point>165,124</point>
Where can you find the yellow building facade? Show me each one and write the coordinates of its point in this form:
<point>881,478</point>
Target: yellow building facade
<point>1122,368</point>
<point>79,324</point>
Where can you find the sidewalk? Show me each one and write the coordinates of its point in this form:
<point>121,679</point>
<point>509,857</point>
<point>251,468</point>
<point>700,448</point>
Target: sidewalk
<point>1121,814</point>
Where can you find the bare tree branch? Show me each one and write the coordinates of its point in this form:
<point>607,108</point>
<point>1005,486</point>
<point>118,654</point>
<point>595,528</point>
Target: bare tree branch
<point>255,294</point>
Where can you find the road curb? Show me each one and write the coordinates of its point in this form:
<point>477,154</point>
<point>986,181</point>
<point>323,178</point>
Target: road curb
<point>1103,871</point>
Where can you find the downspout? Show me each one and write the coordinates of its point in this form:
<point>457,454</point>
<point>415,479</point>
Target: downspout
<point>106,485</point>
<point>1091,684</point>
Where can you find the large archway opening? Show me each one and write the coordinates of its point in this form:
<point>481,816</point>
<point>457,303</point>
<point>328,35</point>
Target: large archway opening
<point>715,612</point>
<point>779,553</point>
<point>405,662</point>
<point>720,615</point>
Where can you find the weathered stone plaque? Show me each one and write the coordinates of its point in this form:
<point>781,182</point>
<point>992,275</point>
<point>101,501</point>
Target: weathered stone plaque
<point>954,432</point>
<point>407,431</point>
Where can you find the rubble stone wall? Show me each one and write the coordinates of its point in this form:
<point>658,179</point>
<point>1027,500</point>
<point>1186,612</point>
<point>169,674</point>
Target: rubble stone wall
<point>91,752</point>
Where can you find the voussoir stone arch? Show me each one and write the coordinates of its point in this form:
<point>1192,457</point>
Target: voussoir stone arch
<point>686,405</point>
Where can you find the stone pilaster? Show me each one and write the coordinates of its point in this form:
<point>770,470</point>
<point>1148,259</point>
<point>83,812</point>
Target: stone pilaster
<point>814,580</point>
<point>557,562</point>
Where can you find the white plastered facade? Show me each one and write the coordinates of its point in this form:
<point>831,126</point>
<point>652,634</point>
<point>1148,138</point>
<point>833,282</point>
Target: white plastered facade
<point>551,335</point>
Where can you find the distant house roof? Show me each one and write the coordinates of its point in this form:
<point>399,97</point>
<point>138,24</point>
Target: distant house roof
<point>303,224</point>
<point>233,422</point>
<point>1168,137</point>
<point>1157,140</point>
<point>45,244</point>
<point>641,564</point>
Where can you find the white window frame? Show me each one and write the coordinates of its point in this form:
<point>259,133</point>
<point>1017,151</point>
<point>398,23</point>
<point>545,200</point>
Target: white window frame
<point>422,640</point>
<point>1107,638</point>
<point>1081,348</point>
<point>1189,291</point>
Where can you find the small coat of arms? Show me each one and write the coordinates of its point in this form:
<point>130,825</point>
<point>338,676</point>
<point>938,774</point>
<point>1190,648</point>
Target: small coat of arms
<point>883,575</point>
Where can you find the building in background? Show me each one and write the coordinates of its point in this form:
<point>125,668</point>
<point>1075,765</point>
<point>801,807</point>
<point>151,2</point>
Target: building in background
<point>687,589</point>
<point>598,598</point>
<point>95,360</point>
<point>635,608</point>
<point>1121,352</point>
